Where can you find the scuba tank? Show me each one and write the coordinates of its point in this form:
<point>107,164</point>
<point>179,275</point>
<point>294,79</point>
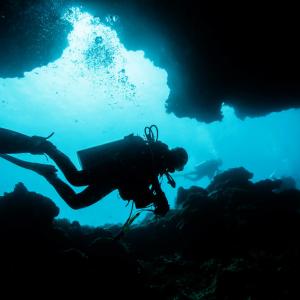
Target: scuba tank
<point>117,156</point>
<point>109,154</point>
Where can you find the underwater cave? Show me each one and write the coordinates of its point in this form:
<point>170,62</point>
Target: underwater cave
<point>219,85</point>
<point>98,91</point>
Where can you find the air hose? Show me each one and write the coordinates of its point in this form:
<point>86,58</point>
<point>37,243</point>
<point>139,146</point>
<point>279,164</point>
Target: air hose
<point>150,137</point>
<point>126,227</point>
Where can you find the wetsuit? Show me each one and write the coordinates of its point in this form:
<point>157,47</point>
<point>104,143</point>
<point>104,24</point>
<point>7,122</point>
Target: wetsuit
<point>133,170</point>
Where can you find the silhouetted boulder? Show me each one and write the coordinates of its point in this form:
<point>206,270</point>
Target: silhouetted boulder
<point>26,210</point>
<point>185,197</point>
<point>235,177</point>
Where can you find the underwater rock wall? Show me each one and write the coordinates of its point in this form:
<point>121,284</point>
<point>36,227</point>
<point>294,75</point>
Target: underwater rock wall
<point>246,56</point>
<point>32,34</point>
<point>233,240</point>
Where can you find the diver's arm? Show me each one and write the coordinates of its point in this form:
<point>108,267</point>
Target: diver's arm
<point>87,197</point>
<point>156,186</point>
<point>160,200</point>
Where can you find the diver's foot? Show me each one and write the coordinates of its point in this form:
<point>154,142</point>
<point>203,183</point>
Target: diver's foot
<point>45,170</point>
<point>40,145</point>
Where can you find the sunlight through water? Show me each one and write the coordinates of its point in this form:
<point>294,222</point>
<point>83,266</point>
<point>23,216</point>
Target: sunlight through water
<point>98,91</point>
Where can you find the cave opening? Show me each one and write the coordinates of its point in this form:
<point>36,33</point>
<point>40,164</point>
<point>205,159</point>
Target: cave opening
<point>99,91</point>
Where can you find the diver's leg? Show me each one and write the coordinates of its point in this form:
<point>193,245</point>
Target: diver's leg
<point>87,197</point>
<point>42,169</point>
<point>74,176</point>
<point>14,142</point>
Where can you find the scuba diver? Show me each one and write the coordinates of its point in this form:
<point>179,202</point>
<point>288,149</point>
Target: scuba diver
<point>207,168</point>
<point>131,165</point>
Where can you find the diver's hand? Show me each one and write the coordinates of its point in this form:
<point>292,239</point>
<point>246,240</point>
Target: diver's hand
<point>161,210</point>
<point>161,205</point>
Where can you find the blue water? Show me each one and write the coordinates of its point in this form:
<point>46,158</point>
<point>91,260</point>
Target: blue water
<point>98,91</point>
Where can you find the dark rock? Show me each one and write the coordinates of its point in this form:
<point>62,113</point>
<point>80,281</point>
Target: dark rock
<point>234,240</point>
<point>32,34</point>
<point>247,58</point>
<point>25,210</point>
<point>235,177</point>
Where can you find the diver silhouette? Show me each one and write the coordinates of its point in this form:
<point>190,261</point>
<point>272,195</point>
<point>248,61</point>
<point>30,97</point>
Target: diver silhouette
<point>207,168</point>
<point>131,165</point>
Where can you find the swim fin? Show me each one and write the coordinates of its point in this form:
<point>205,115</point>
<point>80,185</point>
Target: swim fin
<point>15,142</point>
<point>42,169</point>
